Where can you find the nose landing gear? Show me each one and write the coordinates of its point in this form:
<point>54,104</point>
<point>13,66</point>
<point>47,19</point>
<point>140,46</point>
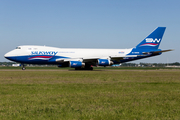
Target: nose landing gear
<point>23,67</point>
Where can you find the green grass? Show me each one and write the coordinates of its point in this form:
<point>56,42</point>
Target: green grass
<point>152,94</point>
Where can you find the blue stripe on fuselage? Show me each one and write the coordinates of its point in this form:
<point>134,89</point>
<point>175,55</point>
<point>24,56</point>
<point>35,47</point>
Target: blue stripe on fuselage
<point>26,60</point>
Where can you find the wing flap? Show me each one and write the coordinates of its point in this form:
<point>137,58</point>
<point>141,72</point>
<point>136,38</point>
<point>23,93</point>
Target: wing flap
<point>61,60</point>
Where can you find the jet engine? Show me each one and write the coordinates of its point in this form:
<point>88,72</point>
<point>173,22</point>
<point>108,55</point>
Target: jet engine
<point>104,62</point>
<point>76,64</point>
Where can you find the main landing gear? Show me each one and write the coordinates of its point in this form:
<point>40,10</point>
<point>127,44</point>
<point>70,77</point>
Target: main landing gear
<point>86,68</point>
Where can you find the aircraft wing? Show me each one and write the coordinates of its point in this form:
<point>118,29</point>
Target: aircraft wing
<point>93,59</point>
<point>122,57</point>
<point>61,60</point>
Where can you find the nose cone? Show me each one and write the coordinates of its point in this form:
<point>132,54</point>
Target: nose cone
<point>10,56</point>
<point>7,55</point>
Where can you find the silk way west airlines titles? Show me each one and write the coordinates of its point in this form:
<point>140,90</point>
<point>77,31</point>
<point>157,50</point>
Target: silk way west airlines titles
<point>86,58</point>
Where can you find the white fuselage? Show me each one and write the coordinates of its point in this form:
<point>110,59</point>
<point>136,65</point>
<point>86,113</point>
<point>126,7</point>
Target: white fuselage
<point>66,52</point>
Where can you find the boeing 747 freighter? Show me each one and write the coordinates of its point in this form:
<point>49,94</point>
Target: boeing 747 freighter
<point>83,59</point>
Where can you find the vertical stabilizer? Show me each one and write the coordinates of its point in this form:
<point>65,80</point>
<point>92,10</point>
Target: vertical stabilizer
<point>153,40</point>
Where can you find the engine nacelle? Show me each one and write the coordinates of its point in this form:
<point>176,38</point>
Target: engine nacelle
<point>76,64</point>
<point>104,62</point>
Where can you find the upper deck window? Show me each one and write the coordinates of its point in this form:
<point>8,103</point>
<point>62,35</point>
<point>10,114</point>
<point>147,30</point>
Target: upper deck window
<point>18,47</point>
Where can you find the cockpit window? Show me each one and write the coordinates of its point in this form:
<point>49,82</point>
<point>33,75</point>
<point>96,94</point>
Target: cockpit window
<point>18,47</point>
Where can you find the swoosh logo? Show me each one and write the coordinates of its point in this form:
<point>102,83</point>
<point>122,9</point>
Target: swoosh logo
<point>149,44</point>
<point>40,57</point>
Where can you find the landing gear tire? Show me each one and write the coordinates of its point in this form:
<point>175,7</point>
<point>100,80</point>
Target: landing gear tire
<point>89,68</point>
<point>77,68</point>
<point>23,68</point>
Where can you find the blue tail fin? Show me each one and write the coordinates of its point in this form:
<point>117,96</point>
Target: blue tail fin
<point>153,40</point>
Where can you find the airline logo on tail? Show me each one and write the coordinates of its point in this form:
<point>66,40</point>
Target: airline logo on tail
<point>151,42</point>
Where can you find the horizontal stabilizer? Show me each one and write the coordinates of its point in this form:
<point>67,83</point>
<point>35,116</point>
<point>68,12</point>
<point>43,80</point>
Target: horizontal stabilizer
<point>155,52</point>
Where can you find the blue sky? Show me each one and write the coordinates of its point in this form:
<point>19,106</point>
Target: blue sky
<point>89,24</point>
